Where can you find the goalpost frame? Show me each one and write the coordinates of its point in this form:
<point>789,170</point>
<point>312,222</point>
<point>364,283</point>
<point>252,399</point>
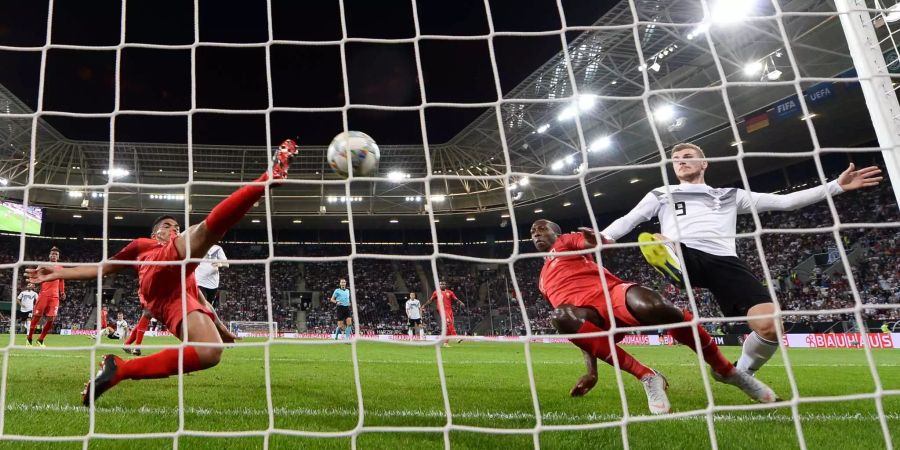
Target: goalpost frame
<point>876,83</point>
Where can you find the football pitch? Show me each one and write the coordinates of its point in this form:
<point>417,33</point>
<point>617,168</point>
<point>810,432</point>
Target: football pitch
<point>313,389</point>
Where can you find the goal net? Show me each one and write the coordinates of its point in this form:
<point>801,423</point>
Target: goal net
<point>254,329</point>
<point>490,115</point>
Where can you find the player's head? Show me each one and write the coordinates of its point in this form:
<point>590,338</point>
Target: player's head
<point>30,286</point>
<point>443,285</point>
<point>544,234</point>
<point>343,283</point>
<point>54,254</point>
<point>163,227</point>
<point>120,315</point>
<point>687,159</point>
<point>105,308</point>
<point>412,295</point>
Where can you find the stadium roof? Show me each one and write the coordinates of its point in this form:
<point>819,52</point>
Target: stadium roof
<point>540,117</point>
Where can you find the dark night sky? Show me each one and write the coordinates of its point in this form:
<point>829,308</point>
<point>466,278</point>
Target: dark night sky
<point>302,75</point>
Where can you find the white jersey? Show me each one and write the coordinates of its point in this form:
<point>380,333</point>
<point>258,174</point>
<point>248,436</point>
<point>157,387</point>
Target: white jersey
<point>27,299</point>
<point>121,328</point>
<point>706,216</point>
<point>206,273</point>
<point>413,309</point>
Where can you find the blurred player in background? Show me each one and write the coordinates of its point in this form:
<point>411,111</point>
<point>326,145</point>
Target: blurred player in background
<point>26,300</point>
<point>48,302</point>
<point>707,219</point>
<point>162,291</point>
<point>445,308</point>
<point>573,286</point>
<point>414,316</point>
<point>341,298</point>
<point>208,274</point>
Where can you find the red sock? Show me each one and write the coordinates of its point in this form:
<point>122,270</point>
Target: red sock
<point>599,347</point>
<point>34,322</point>
<point>158,365</point>
<point>711,353</point>
<point>231,210</point>
<point>451,330</point>
<point>47,327</point>
<point>139,330</point>
<point>140,335</point>
<point>132,335</point>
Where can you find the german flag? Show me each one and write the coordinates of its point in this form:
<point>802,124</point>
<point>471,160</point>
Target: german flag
<point>757,122</point>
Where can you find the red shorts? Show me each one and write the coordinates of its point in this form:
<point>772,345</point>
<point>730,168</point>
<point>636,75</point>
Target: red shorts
<point>46,307</point>
<point>161,289</point>
<point>620,311</point>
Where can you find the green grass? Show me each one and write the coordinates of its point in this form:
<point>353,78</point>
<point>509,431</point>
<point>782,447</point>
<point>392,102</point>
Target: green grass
<point>313,389</point>
<point>12,221</point>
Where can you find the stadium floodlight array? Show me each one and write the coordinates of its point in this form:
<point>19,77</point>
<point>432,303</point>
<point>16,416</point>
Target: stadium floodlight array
<point>856,19</point>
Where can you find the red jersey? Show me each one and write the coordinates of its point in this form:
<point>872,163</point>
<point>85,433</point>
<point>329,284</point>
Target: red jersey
<point>52,289</point>
<point>147,249</point>
<point>447,298</point>
<point>568,279</point>
<point>103,318</point>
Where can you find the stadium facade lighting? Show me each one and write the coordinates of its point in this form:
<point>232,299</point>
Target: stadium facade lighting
<point>585,102</point>
<point>752,68</point>
<point>601,143</point>
<point>345,221</point>
<point>76,194</point>
<point>98,194</point>
<point>167,196</point>
<point>470,219</point>
<point>297,221</point>
<point>726,12</point>
<point>655,66</point>
<point>809,116</point>
<point>413,198</point>
<point>255,220</point>
<point>116,173</point>
<point>513,186</point>
<point>543,128</point>
<point>557,165</point>
<point>118,217</point>
<point>664,113</point>
<point>438,198</point>
<point>437,220</point>
<point>567,113</point>
<point>397,176</point>
<point>3,181</point>
<point>597,194</point>
<point>773,75</point>
<point>567,203</point>
<point>538,211</point>
<point>504,216</point>
<point>394,221</point>
<point>524,181</point>
<point>76,216</point>
<point>570,159</point>
<point>634,180</point>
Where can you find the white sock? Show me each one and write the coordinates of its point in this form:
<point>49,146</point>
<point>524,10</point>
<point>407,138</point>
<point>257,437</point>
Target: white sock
<point>409,331</point>
<point>756,352</point>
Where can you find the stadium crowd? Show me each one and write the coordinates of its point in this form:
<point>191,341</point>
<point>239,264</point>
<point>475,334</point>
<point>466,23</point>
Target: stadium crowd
<point>381,286</point>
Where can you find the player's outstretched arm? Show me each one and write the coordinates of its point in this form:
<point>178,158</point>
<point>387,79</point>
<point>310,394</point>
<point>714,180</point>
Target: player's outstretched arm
<point>644,211</point>
<point>850,180</point>
<point>589,379</point>
<point>41,274</point>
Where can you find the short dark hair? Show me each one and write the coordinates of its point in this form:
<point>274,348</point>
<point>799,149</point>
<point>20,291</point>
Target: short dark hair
<point>160,219</point>
<point>54,249</point>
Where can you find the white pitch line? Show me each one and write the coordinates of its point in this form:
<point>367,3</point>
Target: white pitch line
<point>467,362</point>
<point>437,414</point>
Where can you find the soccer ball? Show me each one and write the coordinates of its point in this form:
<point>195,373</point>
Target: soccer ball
<point>359,148</point>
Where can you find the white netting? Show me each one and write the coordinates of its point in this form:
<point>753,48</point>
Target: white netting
<point>871,73</point>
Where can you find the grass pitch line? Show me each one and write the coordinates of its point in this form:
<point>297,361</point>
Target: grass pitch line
<point>416,413</point>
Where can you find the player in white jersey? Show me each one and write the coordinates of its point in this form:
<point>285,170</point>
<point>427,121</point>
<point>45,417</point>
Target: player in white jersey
<point>414,316</point>
<point>707,220</point>
<point>26,300</point>
<point>207,274</point>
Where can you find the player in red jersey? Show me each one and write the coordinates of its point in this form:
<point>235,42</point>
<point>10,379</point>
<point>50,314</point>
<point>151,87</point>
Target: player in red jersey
<point>572,284</point>
<point>445,307</point>
<point>161,288</point>
<point>48,302</point>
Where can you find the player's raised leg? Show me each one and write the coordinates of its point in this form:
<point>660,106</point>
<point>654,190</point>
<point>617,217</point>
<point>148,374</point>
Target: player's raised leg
<point>761,344</point>
<point>648,307</point>
<point>200,329</point>
<point>568,319</point>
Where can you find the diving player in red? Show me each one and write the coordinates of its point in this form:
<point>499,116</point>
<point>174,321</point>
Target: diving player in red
<point>445,307</point>
<point>48,302</point>
<point>572,284</point>
<point>161,289</point>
